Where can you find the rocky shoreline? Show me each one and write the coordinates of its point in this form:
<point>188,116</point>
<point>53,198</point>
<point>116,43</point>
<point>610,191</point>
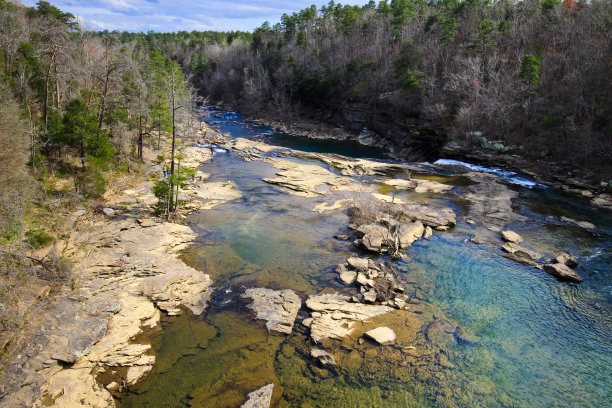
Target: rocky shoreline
<point>570,179</point>
<point>80,350</point>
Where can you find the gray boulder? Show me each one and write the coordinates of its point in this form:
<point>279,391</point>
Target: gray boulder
<point>563,272</point>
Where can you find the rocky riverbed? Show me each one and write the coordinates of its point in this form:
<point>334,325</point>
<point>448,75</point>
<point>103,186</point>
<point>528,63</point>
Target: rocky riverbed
<point>286,333</point>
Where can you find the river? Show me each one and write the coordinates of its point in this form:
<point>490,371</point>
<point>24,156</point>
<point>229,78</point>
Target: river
<point>541,342</point>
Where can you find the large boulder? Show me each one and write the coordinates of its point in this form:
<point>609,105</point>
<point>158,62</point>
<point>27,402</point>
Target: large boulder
<point>521,254</point>
<point>375,239</point>
<point>408,233</point>
<point>358,264</point>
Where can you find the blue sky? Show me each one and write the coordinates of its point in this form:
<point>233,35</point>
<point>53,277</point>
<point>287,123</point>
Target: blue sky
<point>177,15</point>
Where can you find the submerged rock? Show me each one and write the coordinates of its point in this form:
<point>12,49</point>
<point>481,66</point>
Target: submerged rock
<point>323,357</point>
<point>279,308</point>
<point>581,224</point>
<point>440,331</point>
<point>563,272</point>
<point>261,398</point>
<point>464,336</point>
<point>381,335</point>
<point>476,240</point>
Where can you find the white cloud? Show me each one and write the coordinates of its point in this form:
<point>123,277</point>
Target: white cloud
<point>177,15</point>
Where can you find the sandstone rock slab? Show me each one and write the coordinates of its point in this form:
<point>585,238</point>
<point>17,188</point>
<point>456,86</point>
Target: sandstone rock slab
<point>278,307</point>
<point>381,335</point>
<point>511,236</point>
<point>334,315</point>
<point>260,398</point>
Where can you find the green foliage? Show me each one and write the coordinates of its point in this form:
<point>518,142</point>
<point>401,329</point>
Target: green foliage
<point>412,79</point>
<point>530,71</point>
<point>403,11</point>
<point>447,26</point>
<point>78,128</point>
<point>486,31</point>
<point>163,193</point>
<point>90,179</point>
<point>548,5</point>
<point>555,118</point>
<point>38,238</point>
<point>47,10</point>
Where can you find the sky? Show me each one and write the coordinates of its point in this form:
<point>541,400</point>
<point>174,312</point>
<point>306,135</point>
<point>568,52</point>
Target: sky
<point>181,15</point>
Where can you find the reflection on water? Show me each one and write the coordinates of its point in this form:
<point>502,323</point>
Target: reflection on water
<point>538,342</point>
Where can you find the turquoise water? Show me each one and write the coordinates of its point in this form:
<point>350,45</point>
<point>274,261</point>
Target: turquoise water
<point>540,342</point>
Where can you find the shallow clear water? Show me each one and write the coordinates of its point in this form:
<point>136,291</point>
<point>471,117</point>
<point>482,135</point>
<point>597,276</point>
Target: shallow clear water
<point>540,343</point>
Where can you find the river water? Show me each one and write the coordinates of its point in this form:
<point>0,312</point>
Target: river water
<point>540,342</point>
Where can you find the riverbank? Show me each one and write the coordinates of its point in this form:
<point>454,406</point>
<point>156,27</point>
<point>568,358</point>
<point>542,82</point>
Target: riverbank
<point>80,345</point>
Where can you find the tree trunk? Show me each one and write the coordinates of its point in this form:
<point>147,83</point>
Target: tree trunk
<point>48,78</point>
<point>103,101</point>
<point>173,143</point>
<point>140,137</point>
<point>57,89</point>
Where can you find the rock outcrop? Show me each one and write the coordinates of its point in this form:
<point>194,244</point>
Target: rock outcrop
<point>491,201</point>
<point>511,236</point>
<point>563,272</point>
<point>261,398</point>
<point>278,307</point>
<point>333,316</point>
<point>418,185</point>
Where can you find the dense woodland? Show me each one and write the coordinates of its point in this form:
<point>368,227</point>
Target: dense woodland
<point>533,75</point>
<point>76,109</point>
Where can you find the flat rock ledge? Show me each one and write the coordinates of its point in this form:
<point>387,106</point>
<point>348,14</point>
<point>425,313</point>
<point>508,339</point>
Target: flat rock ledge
<point>261,398</point>
<point>278,307</point>
<point>333,315</point>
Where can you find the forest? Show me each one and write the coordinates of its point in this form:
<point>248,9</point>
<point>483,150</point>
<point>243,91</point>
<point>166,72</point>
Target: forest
<point>76,109</point>
<point>525,77</point>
